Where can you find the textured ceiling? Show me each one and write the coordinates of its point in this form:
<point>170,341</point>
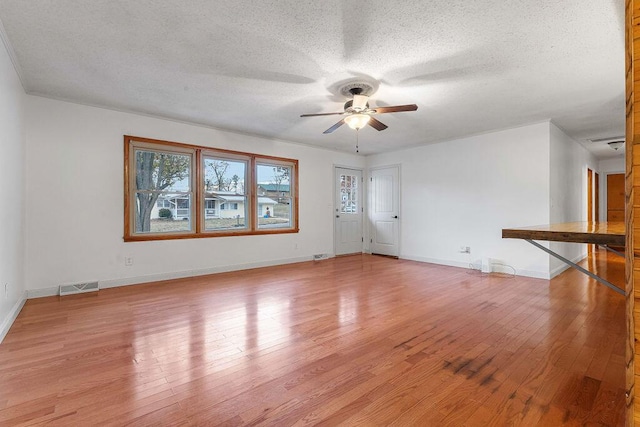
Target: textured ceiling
<point>255,66</point>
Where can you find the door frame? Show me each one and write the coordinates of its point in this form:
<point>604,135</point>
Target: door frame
<point>596,196</point>
<point>368,232</point>
<point>589,196</point>
<point>334,206</point>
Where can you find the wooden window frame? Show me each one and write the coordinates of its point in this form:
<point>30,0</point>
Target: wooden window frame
<point>270,162</point>
<point>197,177</point>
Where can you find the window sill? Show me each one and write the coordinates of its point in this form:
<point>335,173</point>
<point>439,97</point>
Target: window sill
<point>207,234</point>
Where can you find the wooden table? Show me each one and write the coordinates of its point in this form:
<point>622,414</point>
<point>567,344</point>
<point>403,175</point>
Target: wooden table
<point>603,234</point>
<point>599,233</point>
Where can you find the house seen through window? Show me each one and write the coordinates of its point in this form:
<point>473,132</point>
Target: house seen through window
<point>224,193</point>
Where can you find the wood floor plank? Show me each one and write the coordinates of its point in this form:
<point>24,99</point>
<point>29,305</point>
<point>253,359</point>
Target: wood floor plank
<point>359,340</point>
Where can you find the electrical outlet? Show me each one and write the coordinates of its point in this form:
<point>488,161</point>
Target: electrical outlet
<point>128,261</point>
<point>295,246</point>
<point>6,290</point>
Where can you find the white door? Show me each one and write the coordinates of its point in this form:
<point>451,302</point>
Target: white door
<point>383,192</point>
<point>348,211</point>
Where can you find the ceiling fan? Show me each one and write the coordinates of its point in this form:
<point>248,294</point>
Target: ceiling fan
<point>358,114</point>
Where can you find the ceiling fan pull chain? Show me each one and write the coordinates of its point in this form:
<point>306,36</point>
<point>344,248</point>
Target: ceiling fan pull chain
<point>357,140</point>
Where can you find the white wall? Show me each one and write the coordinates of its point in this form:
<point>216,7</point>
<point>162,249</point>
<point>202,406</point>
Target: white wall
<point>607,167</point>
<point>613,165</point>
<point>12,137</point>
<point>74,212</point>
<point>465,191</point>
<point>568,191</point>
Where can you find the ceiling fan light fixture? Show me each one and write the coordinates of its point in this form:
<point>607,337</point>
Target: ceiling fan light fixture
<point>357,121</point>
<point>616,145</point>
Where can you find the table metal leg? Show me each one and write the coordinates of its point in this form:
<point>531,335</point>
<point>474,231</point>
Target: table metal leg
<point>612,250</point>
<point>577,267</point>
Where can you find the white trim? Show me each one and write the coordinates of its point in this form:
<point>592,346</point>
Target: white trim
<point>12,56</point>
<point>449,263</point>
<point>556,271</point>
<point>459,264</point>
<point>11,317</point>
<point>136,280</point>
<point>44,292</point>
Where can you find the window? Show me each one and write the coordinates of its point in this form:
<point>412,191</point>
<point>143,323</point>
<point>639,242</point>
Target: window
<point>232,206</point>
<point>161,175</point>
<point>175,190</point>
<point>224,180</point>
<point>274,205</point>
<point>348,194</point>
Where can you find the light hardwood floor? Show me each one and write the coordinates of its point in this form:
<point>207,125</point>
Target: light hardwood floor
<point>357,340</point>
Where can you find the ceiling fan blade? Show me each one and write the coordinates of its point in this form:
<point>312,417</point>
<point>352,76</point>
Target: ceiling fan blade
<point>396,108</point>
<point>377,124</point>
<point>334,127</point>
<point>322,114</point>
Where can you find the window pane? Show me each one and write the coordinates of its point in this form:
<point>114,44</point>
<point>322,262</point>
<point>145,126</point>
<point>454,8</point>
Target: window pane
<point>177,217</point>
<point>274,196</point>
<point>162,198</point>
<point>224,189</point>
<point>158,171</point>
<point>349,194</point>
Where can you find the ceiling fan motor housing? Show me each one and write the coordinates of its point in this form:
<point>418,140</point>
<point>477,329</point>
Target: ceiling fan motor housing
<point>348,106</point>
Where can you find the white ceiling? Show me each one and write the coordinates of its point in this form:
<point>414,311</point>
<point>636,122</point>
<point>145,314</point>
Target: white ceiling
<point>255,66</point>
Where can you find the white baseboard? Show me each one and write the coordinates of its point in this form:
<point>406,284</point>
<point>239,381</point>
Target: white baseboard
<point>11,317</point>
<point>104,284</point>
<point>527,273</point>
<point>44,292</point>
<point>137,280</point>
<point>560,269</point>
<point>450,263</point>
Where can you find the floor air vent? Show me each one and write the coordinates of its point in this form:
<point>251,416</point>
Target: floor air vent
<point>78,288</point>
<point>318,257</point>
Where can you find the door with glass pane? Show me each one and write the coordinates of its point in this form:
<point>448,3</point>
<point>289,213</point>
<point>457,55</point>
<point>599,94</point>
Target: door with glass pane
<point>348,211</point>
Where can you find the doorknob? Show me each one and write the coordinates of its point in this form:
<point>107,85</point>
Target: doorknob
<point>337,216</point>
<point>395,216</point>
